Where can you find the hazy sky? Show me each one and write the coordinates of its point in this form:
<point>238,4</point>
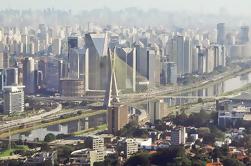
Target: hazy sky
<point>205,6</point>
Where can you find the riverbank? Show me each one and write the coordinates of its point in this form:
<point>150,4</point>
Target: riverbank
<point>50,123</point>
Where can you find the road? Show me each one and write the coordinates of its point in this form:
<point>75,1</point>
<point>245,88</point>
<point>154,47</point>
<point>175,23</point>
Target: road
<point>19,122</point>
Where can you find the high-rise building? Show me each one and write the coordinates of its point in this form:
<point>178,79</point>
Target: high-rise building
<point>28,75</point>
<point>13,99</point>
<point>156,110</point>
<point>180,55</point>
<point>153,68</point>
<point>62,69</point>
<point>178,136</point>
<point>244,35</point>
<point>73,62</point>
<point>96,143</point>
<point>129,146</point>
<point>11,76</point>
<point>71,87</point>
<point>1,80</point>
<point>169,73</point>
<point>56,46</point>
<point>96,61</point>
<point>188,55</point>
<point>125,67</point>
<point>221,33</point>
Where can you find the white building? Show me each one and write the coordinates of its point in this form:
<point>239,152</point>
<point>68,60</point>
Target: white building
<point>129,146</point>
<point>13,99</point>
<point>178,136</point>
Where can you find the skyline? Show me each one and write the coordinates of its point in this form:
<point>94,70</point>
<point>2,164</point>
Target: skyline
<point>205,7</point>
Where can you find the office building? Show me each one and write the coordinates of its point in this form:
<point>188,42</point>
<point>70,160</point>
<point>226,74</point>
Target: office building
<point>156,110</point>
<point>153,68</point>
<point>85,157</point>
<point>62,69</point>
<point>96,143</point>
<point>187,55</point>
<point>96,61</point>
<point>125,68</point>
<point>180,55</point>
<point>11,76</point>
<point>56,46</point>
<point>117,118</point>
<point>169,73</point>
<point>13,99</point>
<point>221,33</point>
<point>128,146</point>
<point>28,75</point>
<point>244,35</point>
<point>1,80</point>
<point>71,87</point>
<point>38,77</point>
<point>73,63</point>
<point>178,136</point>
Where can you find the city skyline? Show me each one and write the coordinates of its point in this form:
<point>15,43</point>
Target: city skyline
<point>206,7</point>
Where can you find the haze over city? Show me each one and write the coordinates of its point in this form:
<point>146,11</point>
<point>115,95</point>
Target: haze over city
<point>234,7</point>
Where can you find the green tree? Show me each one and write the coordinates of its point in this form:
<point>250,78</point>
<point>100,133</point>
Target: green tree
<point>209,139</point>
<point>49,137</point>
<point>140,159</point>
<point>232,162</point>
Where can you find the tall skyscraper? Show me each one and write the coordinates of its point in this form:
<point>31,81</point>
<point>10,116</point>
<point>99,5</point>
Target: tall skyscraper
<point>11,76</point>
<point>221,33</point>
<point>188,55</point>
<point>244,35</point>
<point>13,99</point>
<point>125,67</point>
<point>180,55</point>
<point>169,73</point>
<point>28,75</point>
<point>96,61</point>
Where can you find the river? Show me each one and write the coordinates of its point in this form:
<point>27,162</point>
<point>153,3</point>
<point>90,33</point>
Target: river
<point>64,128</point>
<point>82,124</point>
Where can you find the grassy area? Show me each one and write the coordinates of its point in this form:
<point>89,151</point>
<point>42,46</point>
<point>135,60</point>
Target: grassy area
<point>8,152</point>
<point>98,128</point>
<point>53,122</point>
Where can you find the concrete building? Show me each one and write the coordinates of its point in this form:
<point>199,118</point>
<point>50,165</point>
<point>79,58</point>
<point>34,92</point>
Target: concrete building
<point>180,55</point>
<point>244,35</point>
<point>96,143</point>
<point>13,99</point>
<point>202,68</point>
<point>125,68</point>
<point>72,87</point>
<point>85,157</point>
<point>117,118</point>
<point>178,136</point>
<point>96,61</point>
<point>220,33</point>
<point>42,158</point>
<point>187,55</point>
<point>11,76</point>
<point>153,67</point>
<point>56,46</point>
<point>169,73</point>
<point>28,75</point>
<point>156,110</point>
<point>62,69</point>
<point>128,146</point>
